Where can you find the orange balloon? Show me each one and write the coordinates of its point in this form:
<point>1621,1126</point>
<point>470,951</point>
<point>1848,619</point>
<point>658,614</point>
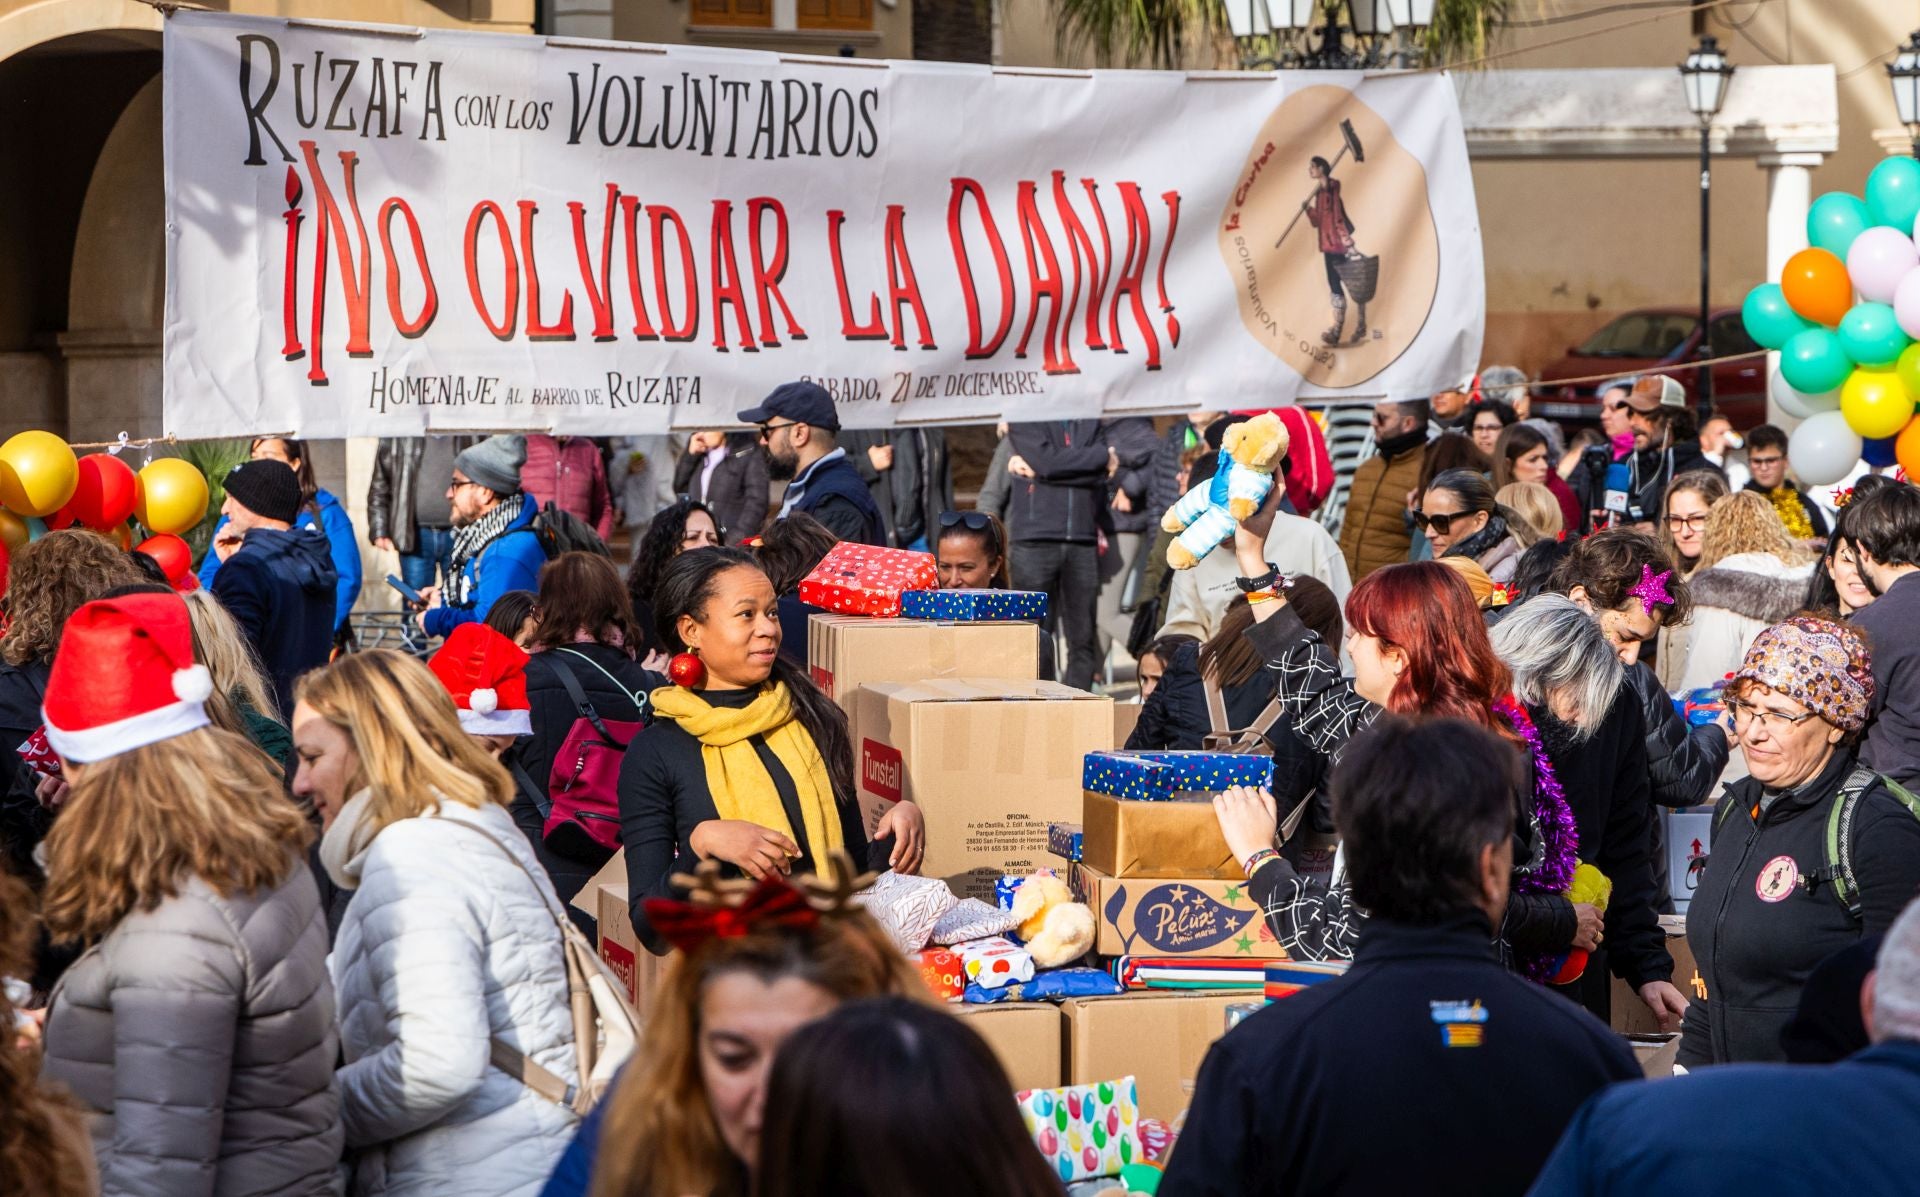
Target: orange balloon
<point>1817,286</point>
<point>1906,449</point>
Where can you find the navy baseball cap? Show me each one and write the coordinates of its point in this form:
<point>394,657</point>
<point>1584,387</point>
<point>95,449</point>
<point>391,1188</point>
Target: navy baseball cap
<point>801,402</point>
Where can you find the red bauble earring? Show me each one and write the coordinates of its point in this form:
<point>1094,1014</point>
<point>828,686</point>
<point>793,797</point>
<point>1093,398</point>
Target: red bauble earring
<point>686,670</point>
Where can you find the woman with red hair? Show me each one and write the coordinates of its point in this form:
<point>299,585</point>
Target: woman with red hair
<point>1419,647</point>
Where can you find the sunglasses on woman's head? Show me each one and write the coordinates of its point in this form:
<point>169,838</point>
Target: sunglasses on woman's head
<point>972,521</point>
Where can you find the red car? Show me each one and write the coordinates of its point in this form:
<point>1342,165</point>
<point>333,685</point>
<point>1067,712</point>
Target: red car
<point>1658,341</point>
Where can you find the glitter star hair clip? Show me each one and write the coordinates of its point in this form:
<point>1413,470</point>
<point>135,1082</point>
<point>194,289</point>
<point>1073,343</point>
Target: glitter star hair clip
<point>1652,590</point>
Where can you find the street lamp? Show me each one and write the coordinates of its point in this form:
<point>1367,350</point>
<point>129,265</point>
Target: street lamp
<point>1705,75</point>
<point>1383,33</point>
<point>1904,73</point>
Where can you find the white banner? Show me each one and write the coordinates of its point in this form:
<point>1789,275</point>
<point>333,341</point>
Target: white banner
<point>378,231</point>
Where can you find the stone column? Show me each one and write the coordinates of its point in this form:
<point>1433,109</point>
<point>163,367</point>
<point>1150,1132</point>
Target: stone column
<point>1789,195</point>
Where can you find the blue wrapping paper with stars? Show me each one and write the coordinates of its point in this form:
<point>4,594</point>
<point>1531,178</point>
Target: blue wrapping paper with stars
<point>1158,776</point>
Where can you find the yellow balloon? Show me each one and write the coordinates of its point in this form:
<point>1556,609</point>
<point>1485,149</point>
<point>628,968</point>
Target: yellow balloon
<point>38,473</point>
<point>173,496</point>
<point>13,530</point>
<point>1875,403</point>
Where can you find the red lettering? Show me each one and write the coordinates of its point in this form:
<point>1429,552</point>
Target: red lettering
<point>1046,284</point>
<point>1101,264</point>
<point>767,275</point>
<point>902,287</point>
<point>599,288</point>
<point>502,329</point>
<point>963,188</point>
<point>289,299</point>
<point>538,330</point>
<point>1172,200</point>
<point>658,216</point>
<point>875,329</point>
<point>354,279</point>
<point>630,217</point>
<point>430,304</point>
<point>1132,277</point>
<point>726,282</point>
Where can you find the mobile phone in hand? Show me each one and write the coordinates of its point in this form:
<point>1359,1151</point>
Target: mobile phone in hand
<point>413,597</point>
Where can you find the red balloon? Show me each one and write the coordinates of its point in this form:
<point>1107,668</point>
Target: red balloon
<point>63,518</point>
<point>186,583</point>
<point>106,492</point>
<point>4,556</point>
<point>171,553</point>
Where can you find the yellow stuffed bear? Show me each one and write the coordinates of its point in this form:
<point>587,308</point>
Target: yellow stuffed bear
<point>1057,930</point>
<point>1205,516</point>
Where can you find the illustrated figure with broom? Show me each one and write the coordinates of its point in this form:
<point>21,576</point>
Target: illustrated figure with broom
<point>1349,272</point>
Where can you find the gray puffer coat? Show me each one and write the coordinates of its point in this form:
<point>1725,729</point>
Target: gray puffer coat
<point>201,1035</point>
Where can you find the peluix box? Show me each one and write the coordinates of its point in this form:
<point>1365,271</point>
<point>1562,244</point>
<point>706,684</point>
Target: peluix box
<point>989,761</point>
<point>1183,916</point>
<point>845,652</point>
<point>1157,1038</point>
<point>1181,838</point>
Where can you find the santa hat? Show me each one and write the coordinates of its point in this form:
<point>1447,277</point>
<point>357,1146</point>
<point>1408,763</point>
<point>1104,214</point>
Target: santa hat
<point>487,675</point>
<point>124,677</point>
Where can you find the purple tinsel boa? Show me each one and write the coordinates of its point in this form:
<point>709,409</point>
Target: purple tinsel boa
<point>1554,825</point>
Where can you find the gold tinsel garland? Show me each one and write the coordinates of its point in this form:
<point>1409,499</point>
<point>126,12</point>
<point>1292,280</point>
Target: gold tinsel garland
<point>1792,513</point>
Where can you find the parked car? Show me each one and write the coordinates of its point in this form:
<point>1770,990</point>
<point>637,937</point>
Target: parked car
<point>1659,341</point>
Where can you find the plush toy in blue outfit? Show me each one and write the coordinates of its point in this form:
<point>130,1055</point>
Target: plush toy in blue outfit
<point>1205,516</point>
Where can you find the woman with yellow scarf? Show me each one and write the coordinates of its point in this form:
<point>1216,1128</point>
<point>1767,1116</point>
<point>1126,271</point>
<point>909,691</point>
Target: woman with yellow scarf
<point>752,766</point>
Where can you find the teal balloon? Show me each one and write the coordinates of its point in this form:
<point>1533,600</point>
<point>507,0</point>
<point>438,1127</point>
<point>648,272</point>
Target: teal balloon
<point>1835,219</point>
<point>36,527</point>
<point>1814,362</point>
<point>1893,193</point>
<point>1769,319</point>
<point>1871,336</point>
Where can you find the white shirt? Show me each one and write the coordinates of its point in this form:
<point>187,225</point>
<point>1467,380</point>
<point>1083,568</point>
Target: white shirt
<point>1200,595</point>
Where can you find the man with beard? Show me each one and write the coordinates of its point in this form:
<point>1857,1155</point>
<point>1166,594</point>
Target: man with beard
<point>799,427</point>
<point>1665,444</point>
<point>1884,529</point>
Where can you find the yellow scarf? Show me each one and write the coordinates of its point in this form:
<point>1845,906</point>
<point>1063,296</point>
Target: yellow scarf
<point>740,784</point>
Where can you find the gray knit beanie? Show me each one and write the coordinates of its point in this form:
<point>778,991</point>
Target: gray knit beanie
<point>1896,987</point>
<point>495,463</point>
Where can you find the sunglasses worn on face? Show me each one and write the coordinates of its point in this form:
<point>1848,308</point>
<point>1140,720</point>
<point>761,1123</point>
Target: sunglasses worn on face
<point>767,430</point>
<point>1441,522</point>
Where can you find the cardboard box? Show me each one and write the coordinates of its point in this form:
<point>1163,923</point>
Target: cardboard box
<point>1126,716</point>
<point>1027,1037</point>
<point>1656,1054</point>
<point>1185,916</point>
<point>1157,1038</point>
<point>845,652</point>
<point>1630,1014</point>
<point>1154,839</point>
<point>623,951</point>
<point>990,762</point>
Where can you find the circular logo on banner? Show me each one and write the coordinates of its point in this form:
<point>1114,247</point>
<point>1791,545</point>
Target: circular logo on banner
<point>1777,879</point>
<point>1329,239</point>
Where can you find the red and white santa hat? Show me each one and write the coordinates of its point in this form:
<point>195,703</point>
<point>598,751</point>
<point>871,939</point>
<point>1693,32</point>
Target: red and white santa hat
<point>124,677</point>
<point>487,675</point>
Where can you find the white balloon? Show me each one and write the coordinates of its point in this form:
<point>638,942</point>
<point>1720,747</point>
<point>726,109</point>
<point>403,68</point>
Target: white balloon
<point>1799,404</point>
<point>1823,450</point>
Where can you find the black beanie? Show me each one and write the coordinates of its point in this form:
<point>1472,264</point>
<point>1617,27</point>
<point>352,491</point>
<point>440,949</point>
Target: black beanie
<point>270,489</point>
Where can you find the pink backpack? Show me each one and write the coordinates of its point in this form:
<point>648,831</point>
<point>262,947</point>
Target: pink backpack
<point>584,787</point>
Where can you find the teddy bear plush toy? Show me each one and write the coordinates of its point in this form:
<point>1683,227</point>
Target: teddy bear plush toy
<point>1205,516</point>
<point>1057,929</point>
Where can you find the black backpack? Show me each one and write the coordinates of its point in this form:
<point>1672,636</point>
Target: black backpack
<point>563,532</point>
<point>1837,868</point>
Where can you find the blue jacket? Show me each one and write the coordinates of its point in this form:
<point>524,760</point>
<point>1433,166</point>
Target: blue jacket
<point>572,1176</point>
<point>510,561</point>
<point>279,587</point>
<point>833,493</point>
<point>1851,1127</point>
<point>340,541</point>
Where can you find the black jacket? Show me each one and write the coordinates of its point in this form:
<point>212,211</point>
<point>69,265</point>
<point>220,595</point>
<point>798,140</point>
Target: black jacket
<point>1163,474</point>
<point>1605,780</point>
<point>737,489</point>
<point>1683,762</point>
<point>1815,516</point>
<point>22,687</point>
<point>833,493</point>
<point>1426,1069</point>
<point>278,586</point>
<point>1138,447</point>
<point>1066,497</point>
<point>396,478</point>
<point>1754,950</point>
<point>664,796</point>
<point>1893,738</point>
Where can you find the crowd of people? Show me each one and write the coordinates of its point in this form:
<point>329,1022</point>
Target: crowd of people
<point>281,916</point>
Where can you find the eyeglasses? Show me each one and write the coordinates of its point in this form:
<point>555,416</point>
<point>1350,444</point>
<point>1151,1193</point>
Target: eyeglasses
<point>1692,523</point>
<point>1773,722</point>
<point>1441,521</point>
<point>457,483</point>
<point>1775,460</point>
<point>767,430</point>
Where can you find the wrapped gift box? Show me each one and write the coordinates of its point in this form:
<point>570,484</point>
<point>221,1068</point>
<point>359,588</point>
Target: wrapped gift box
<point>994,962</point>
<point>1154,776</point>
<point>974,605</point>
<point>1284,978</point>
<point>943,971</point>
<point>1064,840</point>
<point>1177,837</point>
<point>864,579</point>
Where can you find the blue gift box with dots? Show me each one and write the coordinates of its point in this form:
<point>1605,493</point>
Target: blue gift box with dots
<point>1064,839</point>
<point>974,605</point>
<point>1159,776</point>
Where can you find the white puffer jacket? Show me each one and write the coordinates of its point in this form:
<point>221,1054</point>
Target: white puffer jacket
<point>445,946</point>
